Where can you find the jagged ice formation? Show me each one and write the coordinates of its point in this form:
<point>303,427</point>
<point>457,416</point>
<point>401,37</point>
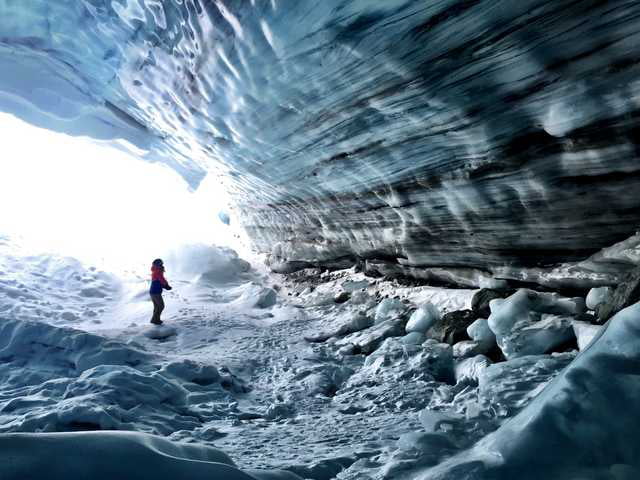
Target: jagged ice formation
<point>456,140</point>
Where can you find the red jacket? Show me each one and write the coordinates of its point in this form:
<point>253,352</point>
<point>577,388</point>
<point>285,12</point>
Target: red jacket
<point>158,282</point>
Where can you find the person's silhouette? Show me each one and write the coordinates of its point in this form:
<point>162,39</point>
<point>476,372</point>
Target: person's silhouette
<point>158,283</point>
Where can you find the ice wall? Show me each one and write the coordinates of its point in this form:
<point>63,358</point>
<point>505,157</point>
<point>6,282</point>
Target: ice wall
<point>450,139</point>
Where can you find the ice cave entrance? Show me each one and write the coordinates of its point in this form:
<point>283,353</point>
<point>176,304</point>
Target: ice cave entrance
<point>79,197</point>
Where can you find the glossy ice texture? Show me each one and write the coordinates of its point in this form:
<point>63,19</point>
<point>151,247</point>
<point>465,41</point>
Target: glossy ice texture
<point>452,139</point>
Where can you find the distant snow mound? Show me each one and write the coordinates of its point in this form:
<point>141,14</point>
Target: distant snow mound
<point>121,455</point>
<point>207,264</point>
<point>254,295</point>
<point>51,288</point>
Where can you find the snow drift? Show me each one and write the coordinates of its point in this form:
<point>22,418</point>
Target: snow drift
<point>121,455</point>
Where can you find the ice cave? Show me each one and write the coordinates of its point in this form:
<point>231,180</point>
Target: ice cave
<point>393,239</point>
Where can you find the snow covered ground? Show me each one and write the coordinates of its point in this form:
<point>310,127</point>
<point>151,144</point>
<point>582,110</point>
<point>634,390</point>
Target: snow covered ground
<point>309,373</point>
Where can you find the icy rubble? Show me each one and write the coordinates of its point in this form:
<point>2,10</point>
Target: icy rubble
<point>573,428</point>
<point>531,322</point>
<point>423,318</point>
<point>389,408</point>
<point>598,296</point>
<point>585,333</point>
<point>73,380</point>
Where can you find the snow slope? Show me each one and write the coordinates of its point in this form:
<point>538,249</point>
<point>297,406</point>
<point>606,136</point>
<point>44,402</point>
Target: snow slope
<point>121,455</point>
<point>237,375</point>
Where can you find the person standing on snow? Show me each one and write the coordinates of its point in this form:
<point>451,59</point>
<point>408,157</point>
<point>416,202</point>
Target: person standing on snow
<point>158,283</point>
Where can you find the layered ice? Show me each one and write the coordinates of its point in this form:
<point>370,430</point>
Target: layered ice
<point>487,156</point>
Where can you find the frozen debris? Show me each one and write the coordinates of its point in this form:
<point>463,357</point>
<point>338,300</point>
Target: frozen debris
<point>324,379</point>
<point>424,449</point>
<point>530,322</point>
<point>322,469</point>
<point>543,336</point>
<point>585,333</point>
<point>354,285</point>
<point>597,296</point>
<point>342,297</point>
<point>412,361</point>
<point>267,297</point>
<point>413,338</point>
<point>625,294</point>
<point>160,332</point>
<point>511,385</point>
<point>349,322</point>
<point>368,340</point>
<point>577,426</point>
<point>423,318</point>
<point>438,421</point>
<point>470,369</point>
<point>361,297</point>
<point>388,309</point>
<point>482,298</point>
<point>279,411</point>
<point>452,328</point>
<point>480,332</point>
<point>470,348</point>
<point>191,371</point>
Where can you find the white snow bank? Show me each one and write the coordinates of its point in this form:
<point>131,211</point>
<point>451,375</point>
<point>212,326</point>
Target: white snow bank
<point>37,347</point>
<point>208,264</point>
<point>60,379</point>
<point>253,295</point>
<point>51,288</point>
<point>117,455</point>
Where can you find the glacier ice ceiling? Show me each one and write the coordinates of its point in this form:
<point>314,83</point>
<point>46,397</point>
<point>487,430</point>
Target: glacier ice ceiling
<point>453,139</point>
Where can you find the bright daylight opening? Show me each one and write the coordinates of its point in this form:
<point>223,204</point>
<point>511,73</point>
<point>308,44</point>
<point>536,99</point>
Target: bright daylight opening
<point>77,197</point>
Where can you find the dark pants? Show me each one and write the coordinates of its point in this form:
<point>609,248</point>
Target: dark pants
<point>158,307</point>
